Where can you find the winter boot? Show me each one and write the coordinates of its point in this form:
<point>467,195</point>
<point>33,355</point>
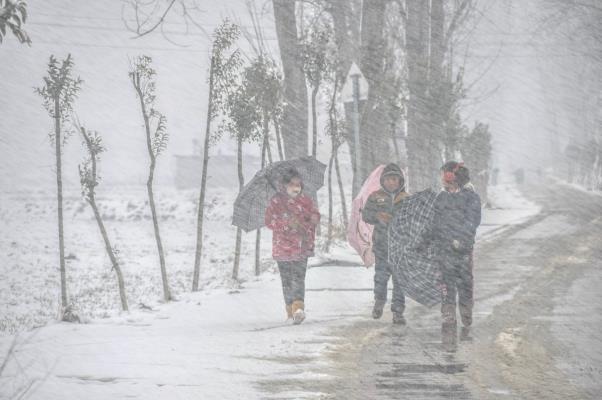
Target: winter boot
<point>449,337</point>
<point>449,327</point>
<point>289,311</point>
<point>398,318</point>
<point>377,310</point>
<point>466,315</point>
<point>465,334</point>
<point>448,314</point>
<point>298,312</point>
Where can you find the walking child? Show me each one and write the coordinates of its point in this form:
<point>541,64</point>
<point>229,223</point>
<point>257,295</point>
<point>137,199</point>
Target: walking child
<point>457,217</point>
<point>378,211</point>
<point>293,217</point>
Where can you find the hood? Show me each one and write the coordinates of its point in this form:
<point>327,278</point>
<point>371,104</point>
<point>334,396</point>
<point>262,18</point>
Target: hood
<point>469,186</point>
<point>392,169</point>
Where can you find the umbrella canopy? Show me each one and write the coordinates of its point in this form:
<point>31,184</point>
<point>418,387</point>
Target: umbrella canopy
<point>411,251</point>
<point>359,233</point>
<point>253,200</point>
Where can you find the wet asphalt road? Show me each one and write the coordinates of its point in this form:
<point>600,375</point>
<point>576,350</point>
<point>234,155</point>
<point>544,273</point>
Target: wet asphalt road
<point>537,322</point>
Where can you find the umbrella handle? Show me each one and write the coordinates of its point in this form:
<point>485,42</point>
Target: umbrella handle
<point>269,179</point>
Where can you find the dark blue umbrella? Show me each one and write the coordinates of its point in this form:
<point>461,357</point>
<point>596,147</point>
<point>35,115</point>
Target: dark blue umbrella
<point>253,200</point>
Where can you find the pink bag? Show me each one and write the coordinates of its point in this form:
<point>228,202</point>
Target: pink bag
<point>359,233</point>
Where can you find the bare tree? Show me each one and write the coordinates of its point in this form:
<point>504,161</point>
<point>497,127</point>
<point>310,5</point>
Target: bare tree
<point>58,94</point>
<point>360,34</point>
<point>142,76</point>
<point>335,130</point>
<point>315,47</point>
<point>476,152</point>
<point>89,179</point>
<point>277,121</point>
<point>422,167</point>
<point>143,17</point>
<point>222,73</point>
<point>264,90</point>
<point>13,14</point>
<point>264,146</point>
<point>252,106</point>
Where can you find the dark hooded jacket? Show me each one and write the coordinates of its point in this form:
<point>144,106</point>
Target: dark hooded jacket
<point>383,201</point>
<point>457,217</point>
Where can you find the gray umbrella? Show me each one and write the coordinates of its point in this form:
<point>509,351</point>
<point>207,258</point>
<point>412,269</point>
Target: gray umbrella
<point>253,200</point>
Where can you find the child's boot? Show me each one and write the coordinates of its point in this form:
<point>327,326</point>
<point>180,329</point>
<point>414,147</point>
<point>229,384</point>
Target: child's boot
<point>298,312</point>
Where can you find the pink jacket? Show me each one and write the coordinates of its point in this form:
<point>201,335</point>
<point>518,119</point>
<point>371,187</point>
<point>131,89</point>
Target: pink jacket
<point>293,233</point>
<point>359,233</point>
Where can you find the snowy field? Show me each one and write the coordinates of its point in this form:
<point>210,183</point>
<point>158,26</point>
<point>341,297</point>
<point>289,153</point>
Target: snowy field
<point>29,276</point>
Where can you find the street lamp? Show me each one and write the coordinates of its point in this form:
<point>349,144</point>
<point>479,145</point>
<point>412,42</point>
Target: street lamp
<point>355,91</point>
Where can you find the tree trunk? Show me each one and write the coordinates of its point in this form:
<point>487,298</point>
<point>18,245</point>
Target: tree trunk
<point>439,96</point>
<point>201,205</point>
<point>264,148</point>
<point>241,183</point>
<point>109,249</point>
<point>329,238</point>
<point>268,147</point>
<point>92,201</point>
<point>374,137</point>
<point>333,146</point>
<point>258,253</point>
<point>151,196</point>
<point>396,146</point>
<point>422,170</point>
<point>341,189</point>
<point>346,17</point>
<point>294,120</point>
<point>314,122</point>
<point>314,146</point>
<point>151,199</point>
<point>237,246</point>
<point>59,187</point>
<point>278,140</point>
<point>437,47</point>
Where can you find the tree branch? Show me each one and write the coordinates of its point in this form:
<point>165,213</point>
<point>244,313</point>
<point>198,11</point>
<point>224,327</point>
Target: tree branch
<point>458,14</point>
<point>159,22</point>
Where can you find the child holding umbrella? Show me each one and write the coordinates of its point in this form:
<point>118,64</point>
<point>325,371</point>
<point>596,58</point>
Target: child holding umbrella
<point>293,217</point>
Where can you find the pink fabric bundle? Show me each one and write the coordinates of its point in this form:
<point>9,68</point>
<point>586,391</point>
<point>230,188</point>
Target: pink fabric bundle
<point>359,233</point>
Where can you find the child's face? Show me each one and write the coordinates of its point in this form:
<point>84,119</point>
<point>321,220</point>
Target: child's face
<point>391,183</point>
<point>449,185</point>
<point>293,188</point>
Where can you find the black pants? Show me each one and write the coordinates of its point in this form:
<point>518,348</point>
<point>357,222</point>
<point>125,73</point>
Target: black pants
<point>382,272</point>
<point>292,274</point>
<point>458,282</point>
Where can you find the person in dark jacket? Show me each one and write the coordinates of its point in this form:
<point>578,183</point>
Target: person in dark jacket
<point>378,211</point>
<point>457,217</point>
<point>293,217</point>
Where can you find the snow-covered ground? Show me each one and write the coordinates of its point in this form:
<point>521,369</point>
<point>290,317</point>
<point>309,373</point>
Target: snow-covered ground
<point>219,343</point>
<point>29,275</point>
<point>502,198</point>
